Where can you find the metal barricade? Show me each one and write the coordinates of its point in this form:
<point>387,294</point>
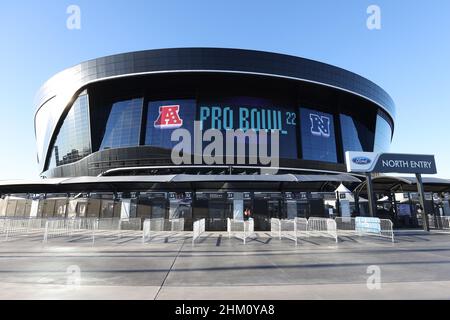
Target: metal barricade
<point>323,227</point>
<point>445,223</point>
<point>288,230</point>
<point>198,230</point>
<point>118,227</point>
<point>387,229</point>
<point>365,226</point>
<point>240,229</point>
<point>439,222</point>
<point>109,224</point>
<point>345,224</point>
<point>160,226</point>
<point>17,227</point>
<point>176,224</point>
<point>431,221</point>
<point>60,228</point>
<point>275,228</point>
<point>131,224</point>
<point>301,225</point>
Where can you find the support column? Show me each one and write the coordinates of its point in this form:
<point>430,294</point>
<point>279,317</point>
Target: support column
<point>372,204</point>
<point>357,209</point>
<point>338,205</point>
<point>425,225</point>
<point>394,204</point>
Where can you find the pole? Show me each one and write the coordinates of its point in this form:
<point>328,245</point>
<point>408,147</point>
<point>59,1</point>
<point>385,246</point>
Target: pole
<point>426,227</point>
<point>338,205</point>
<point>372,208</point>
<point>357,210</point>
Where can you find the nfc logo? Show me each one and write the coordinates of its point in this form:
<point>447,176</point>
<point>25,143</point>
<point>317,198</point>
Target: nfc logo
<point>168,118</point>
<point>320,125</point>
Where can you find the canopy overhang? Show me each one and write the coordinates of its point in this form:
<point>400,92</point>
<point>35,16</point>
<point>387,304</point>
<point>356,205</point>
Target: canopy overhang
<point>127,183</point>
<point>384,184</point>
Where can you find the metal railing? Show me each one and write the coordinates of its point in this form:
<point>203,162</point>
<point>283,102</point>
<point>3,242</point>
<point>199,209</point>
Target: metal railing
<point>365,226</point>
<point>345,224</point>
<point>240,229</point>
<point>58,228</point>
<point>155,227</point>
<point>198,230</point>
<point>322,227</point>
<point>445,222</point>
<point>11,227</point>
<point>288,228</point>
<point>117,226</point>
<point>16,227</point>
<point>439,222</point>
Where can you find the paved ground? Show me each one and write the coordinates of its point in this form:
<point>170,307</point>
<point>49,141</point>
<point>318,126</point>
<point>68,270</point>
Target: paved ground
<point>416,266</point>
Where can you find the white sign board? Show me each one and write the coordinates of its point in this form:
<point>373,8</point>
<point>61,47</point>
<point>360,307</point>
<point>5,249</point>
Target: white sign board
<point>390,162</point>
<point>345,208</point>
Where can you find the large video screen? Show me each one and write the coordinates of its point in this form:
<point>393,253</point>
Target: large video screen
<point>233,113</point>
<point>230,113</point>
<point>163,117</point>
<point>318,137</point>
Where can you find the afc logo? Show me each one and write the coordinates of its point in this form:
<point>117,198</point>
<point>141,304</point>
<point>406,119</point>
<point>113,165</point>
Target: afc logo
<point>320,125</point>
<point>168,118</point>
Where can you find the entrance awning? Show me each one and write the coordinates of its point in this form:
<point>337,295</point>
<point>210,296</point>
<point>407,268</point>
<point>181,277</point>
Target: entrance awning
<point>126,183</point>
<point>406,184</point>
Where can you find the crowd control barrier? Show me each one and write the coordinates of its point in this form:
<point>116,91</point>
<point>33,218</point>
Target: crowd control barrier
<point>156,227</point>
<point>439,222</point>
<point>365,226</point>
<point>323,227</point>
<point>240,229</point>
<point>290,229</point>
<point>57,228</point>
<point>198,230</point>
<point>14,227</point>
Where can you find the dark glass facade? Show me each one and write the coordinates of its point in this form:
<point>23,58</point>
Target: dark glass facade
<point>356,136</point>
<point>73,141</point>
<point>319,134</point>
<point>383,135</point>
<point>124,125</point>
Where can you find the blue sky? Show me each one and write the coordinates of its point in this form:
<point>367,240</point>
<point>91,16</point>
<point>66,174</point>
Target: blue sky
<point>409,57</point>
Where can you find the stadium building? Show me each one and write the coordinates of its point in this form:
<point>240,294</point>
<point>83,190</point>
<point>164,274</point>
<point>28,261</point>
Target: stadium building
<point>103,133</point>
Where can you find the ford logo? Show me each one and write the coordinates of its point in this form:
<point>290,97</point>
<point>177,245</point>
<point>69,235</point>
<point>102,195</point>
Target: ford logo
<point>361,160</point>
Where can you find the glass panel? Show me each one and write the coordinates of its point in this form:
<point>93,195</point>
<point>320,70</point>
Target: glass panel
<point>124,125</point>
<point>73,140</point>
<point>355,135</point>
<point>382,136</point>
<point>317,132</point>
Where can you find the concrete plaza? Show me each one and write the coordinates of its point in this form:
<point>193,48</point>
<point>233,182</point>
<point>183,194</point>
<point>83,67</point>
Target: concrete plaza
<point>416,266</point>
